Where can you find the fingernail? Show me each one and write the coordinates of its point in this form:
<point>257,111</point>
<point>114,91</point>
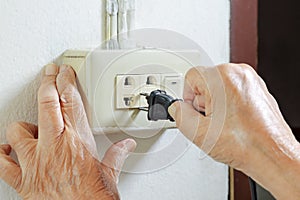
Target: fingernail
<point>129,144</point>
<point>63,68</point>
<point>172,110</point>
<point>51,70</point>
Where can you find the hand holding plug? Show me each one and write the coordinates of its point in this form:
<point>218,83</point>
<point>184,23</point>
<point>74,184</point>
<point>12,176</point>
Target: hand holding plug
<point>158,103</point>
<point>242,126</point>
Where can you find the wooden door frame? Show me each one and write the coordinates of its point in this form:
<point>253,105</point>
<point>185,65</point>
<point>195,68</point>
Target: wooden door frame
<point>244,32</point>
<point>244,49</point>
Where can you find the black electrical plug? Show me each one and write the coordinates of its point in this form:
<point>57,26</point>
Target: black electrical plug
<point>158,103</point>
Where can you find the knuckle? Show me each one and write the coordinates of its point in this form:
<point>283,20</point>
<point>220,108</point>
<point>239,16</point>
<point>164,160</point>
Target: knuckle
<point>70,97</point>
<point>192,72</point>
<point>236,72</point>
<point>226,67</point>
<point>246,66</point>
<point>194,77</point>
<point>47,95</point>
<point>49,105</point>
<point>246,72</point>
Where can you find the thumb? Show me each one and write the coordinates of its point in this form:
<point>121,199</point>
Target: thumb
<point>116,155</point>
<point>10,172</point>
<point>189,121</point>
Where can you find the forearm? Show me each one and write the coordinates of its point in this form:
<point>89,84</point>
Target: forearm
<point>276,166</point>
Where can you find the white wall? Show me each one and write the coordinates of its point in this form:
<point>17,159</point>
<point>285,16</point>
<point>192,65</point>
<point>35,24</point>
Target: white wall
<point>34,32</point>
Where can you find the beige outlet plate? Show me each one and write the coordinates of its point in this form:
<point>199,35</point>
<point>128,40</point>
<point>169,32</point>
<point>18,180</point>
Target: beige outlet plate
<point>102,74</point>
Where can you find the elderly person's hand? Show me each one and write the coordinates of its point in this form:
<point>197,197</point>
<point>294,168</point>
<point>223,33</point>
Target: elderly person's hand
<point>242,126</point>
<point>58,158</point>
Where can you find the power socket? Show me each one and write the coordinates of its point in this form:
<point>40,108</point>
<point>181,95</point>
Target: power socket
<point>130,86</point>
<point>112,80</point>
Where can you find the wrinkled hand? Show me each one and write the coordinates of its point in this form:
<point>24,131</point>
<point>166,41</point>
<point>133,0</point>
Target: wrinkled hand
<point>242,126</point>
<point>58,159</point>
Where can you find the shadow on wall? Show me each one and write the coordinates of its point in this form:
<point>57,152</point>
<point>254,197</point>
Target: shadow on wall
<point>22,108</point>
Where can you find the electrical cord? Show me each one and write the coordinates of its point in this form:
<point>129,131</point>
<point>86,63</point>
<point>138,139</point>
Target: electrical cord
<point>253,189</point>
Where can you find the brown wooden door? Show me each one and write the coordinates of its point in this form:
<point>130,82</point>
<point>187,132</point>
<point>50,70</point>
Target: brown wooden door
<point>243,43</point>
<point>265,34</point>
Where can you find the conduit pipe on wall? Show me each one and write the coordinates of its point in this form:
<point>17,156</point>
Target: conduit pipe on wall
<point>111,25</point>
<point>120,20</point>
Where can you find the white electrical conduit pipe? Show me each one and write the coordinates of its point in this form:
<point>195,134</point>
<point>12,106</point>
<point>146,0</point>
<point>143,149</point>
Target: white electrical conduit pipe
<point>112,9</point>
<point>126,22</point>
<point>122,16</point>
<point>131,15</point>
<point>120,20</point>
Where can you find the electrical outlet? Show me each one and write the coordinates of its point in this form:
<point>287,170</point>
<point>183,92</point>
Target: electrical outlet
<point>112,81</point>
<point>149,82</point>
<point>127,91</point>
<point>130,86</point>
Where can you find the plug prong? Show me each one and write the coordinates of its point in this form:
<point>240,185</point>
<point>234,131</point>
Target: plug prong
<point>144,94</point>
<point>143,109</point>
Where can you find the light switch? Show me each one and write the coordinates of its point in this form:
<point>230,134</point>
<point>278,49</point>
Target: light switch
<point>174,85</point>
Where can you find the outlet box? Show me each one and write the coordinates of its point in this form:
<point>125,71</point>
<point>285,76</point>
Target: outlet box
<point>112,80</point>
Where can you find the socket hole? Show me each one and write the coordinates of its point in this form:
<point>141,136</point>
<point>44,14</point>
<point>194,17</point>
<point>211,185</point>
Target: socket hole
<point>129,81</point>
<point>128,101</point>
<point>151,80</point>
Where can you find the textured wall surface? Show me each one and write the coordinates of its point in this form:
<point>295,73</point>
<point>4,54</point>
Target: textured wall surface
<point>33,33</point>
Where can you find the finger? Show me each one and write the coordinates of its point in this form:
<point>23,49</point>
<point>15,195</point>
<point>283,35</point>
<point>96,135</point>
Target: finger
<point>5,149</point>
<point>50,120</point>
<point>10,172</point>
<point>199,103</point>
<point>190,122</point>
<point>116,155</point>
<point>194,84</point>
<point>18,135</point>
<point>198,87</point>
<point>72,106</point>
<point>71,103</point>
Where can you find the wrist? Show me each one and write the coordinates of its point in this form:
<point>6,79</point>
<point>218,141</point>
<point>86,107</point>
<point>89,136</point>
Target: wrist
<point>275,164</point>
